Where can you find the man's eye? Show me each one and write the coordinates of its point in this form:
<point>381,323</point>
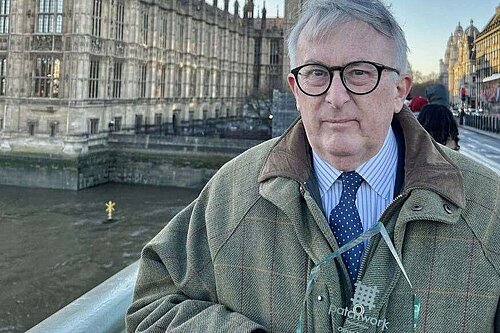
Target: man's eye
<point>358,72</point>
<point>319,73</point>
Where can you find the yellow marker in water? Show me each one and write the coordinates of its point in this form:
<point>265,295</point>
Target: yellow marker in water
<point>110,208</point>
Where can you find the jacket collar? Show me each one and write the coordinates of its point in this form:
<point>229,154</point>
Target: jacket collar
<point>426,166</point>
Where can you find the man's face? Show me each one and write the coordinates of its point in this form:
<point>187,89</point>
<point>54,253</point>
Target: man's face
<point>343,128</point>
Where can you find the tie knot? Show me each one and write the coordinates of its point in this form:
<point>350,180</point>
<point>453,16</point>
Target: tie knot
<point>351,181</point>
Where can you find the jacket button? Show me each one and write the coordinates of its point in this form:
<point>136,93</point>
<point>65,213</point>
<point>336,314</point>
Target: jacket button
<point>320,298</point>
<point>447,209</point>
<point>416,208</point>
<point>302,190</point>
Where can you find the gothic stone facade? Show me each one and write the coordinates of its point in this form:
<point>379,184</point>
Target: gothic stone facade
<point>68,68</point>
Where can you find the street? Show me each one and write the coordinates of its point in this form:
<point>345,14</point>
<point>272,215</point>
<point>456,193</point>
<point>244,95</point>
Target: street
<point>481,147</point>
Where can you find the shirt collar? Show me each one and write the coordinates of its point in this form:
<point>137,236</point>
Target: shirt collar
<point>326,174</point>
<point>381,182</point>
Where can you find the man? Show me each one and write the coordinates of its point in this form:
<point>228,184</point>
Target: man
<point>259,238</point>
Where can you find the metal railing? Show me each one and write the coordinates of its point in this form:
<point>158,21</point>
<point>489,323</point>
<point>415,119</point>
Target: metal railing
<point>101,310</point>
<point>483,122</point>
<point>230,127</point>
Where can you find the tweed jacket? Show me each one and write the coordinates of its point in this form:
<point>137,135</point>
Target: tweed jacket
<point>238,258</point>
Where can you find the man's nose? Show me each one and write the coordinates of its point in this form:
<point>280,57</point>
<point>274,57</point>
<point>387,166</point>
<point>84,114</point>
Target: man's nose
<point>337,95</point>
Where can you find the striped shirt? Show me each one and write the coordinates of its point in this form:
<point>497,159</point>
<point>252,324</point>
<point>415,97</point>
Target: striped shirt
<point>374,194</point>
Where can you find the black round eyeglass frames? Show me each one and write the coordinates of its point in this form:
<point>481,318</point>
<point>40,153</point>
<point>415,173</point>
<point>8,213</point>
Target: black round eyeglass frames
<point>359,77</point>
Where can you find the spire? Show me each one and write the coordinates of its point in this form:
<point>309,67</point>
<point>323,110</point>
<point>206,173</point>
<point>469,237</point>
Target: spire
<point>277,11</point>
<point>236,8</point>
<point>226,5</point>
<point>249,6</point>
<point>264,11</point>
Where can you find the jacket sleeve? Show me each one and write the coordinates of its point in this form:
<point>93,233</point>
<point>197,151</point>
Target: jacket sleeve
<point>176,289</point>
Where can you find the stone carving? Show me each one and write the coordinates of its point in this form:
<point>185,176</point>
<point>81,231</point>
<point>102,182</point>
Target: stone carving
<point>41,43</point>
<point>120,49</point>
<point>96,45</point>
<point>58,43</point>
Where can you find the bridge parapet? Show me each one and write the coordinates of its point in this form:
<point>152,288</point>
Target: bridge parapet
<point>101,310</point>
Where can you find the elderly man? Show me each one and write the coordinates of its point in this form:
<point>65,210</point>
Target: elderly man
<point>354,220</point>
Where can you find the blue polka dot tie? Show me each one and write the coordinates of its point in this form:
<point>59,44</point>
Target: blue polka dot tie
<point>346,224</point>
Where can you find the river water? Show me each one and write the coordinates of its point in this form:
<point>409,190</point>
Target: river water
<point>54,246</point>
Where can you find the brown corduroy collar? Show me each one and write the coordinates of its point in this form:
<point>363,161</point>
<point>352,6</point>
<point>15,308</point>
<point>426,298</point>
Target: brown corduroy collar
<point>425,164</point>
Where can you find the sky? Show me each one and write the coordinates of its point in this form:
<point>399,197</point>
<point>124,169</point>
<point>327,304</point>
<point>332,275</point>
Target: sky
<point>427,24</point>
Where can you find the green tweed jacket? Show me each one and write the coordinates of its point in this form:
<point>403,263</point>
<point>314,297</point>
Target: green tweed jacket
<point>238,258</point>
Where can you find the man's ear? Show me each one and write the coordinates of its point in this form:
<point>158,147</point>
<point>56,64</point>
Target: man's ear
<point>293,87</point>
<point>291,82</point>
<point>402,90</point>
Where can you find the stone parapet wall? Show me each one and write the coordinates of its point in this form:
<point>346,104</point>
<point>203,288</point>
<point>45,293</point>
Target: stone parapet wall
<point>181,143</point>
<point>176,161</point>
<point>150,168</point>
<point>29,170</point>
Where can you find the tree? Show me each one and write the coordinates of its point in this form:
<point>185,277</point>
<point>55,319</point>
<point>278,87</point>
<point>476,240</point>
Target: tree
<point>422,81</point>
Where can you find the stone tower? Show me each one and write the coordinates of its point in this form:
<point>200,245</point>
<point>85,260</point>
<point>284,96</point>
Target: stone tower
<point>292,9</point>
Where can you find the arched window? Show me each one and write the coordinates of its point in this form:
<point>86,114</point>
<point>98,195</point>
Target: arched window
<point>46,76</point>
<point>50,16</point>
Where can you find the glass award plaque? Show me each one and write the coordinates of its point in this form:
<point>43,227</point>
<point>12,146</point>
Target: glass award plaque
<point>360,314</point>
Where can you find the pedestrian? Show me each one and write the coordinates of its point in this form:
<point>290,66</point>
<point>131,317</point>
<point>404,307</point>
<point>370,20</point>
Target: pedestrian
<point>354,220</point>
<point>461,116</point>
<point>437,94</point>
<point>439,122</point>
<point>417,103</point>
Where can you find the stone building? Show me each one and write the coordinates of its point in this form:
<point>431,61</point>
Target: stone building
<point>283,109</point>
<point>451,58</point>
<point>464,71</point>
<point>488,64</point>
<point>458,69</point>
<point>292,10</point>
<point>71,70</point>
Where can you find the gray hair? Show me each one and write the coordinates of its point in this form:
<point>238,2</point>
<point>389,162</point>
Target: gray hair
<point>320,17</point>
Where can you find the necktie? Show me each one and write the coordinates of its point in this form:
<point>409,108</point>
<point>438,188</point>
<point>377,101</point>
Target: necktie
<point>346,224</point>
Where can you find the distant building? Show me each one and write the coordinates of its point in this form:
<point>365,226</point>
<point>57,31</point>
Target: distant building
<point>71,70</point>
<point>292,10</point>
<point>471,65</point>
<point>284,110</point>
<point>458,69</point>
<point>488,64</point>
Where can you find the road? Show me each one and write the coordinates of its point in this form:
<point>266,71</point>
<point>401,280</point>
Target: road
<point>481,147</point>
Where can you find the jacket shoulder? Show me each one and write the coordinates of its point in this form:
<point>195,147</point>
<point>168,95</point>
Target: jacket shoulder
<point>482,206</point>
<point>247,165</point>
<point>477,177</point>
<point>232,191</point>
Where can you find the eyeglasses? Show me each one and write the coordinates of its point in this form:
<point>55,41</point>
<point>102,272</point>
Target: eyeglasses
<point>359,77</point>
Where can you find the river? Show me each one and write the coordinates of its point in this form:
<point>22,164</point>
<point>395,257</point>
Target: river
<point>54,246</point>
